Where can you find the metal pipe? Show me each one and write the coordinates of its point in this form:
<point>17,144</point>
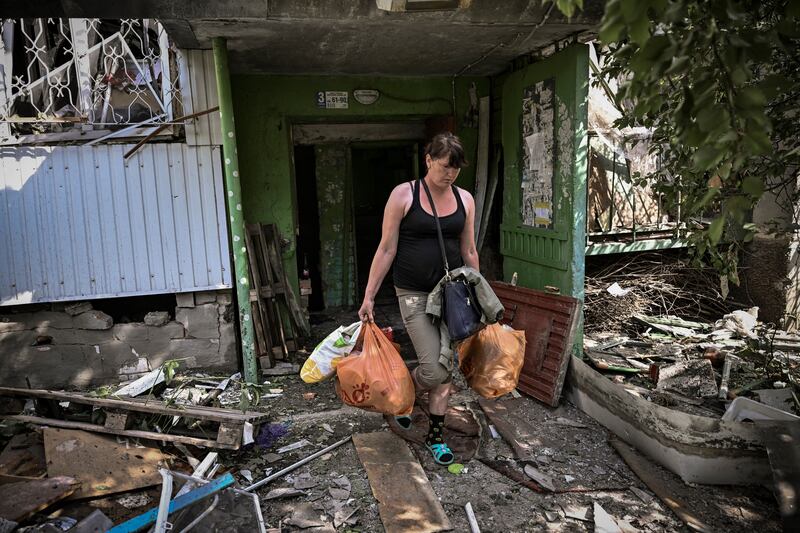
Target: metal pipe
<point>233,189</point>
<point>298,464</point>
<point>473,522</point>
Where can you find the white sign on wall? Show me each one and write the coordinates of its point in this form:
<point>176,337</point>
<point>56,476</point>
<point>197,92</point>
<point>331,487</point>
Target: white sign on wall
<point>332,99</point>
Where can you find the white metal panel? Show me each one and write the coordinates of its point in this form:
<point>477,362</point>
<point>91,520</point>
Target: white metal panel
<point>199,92</point>
<point>80,222</point>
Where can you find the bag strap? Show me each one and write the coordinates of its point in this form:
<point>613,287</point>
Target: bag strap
<point>438,230</point>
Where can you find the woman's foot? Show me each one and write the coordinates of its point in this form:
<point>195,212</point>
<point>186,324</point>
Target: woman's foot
<point>403,421</point>
<point>435,441</point>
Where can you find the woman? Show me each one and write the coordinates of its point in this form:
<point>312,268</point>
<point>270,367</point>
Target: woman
<point>409,241</point>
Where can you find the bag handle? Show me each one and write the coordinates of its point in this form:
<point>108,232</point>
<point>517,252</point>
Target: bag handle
<point>438,230</point>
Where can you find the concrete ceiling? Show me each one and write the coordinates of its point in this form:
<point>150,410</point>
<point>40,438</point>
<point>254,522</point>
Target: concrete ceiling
<point>348,36</point>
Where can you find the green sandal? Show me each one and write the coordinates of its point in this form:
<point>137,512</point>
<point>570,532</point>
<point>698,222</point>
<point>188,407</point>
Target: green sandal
<point>441,453</point>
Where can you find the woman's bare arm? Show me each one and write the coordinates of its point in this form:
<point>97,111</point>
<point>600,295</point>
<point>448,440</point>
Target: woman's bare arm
<point>468,250</point>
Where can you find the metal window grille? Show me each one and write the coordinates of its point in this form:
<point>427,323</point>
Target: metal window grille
<point>58,74</point>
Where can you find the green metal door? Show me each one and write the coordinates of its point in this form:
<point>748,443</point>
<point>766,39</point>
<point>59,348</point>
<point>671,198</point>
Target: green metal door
<point>545,142</point>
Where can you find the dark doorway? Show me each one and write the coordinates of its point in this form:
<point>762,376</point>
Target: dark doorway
<point>377,168</point>
<point>308,245</point>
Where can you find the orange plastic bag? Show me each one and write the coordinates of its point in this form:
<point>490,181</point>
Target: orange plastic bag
<point>376,379</point>
<point>491,360</point>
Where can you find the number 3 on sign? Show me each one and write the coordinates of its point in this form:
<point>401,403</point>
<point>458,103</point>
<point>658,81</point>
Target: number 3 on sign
<point>321,99</point>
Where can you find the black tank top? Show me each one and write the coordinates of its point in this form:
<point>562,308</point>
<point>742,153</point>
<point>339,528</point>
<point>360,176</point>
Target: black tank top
<point>418,263</point>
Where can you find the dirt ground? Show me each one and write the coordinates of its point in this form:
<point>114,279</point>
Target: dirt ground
<point>578,458</point>
<point>572,448</point>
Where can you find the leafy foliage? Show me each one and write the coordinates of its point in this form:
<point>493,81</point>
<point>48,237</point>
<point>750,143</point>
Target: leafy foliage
<point>718,81</point>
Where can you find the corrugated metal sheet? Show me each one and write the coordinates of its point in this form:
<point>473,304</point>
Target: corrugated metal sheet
<point>81,222</point>
<point>549,322</point>
<point>199,92</point>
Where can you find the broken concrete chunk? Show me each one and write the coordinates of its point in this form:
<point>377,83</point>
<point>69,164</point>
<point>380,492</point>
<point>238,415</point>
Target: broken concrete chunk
<point>294,446</point>
<point>283,492</point>
<point>93,320</point>
<point>642,495</point>
<point>540,477</point>
<point>345,515</point>
<point>694,378</point>
<point>272,457</point>
<point>305,481</point>
<point>134,331</point>
<point>343,483</point>
<point>75,309</point>
<point>96,522</point>
<point>338,494</point>
<point>577,513</point>
<point>156,318</point>
<point>603,523</point>
<point>7,526</point>
<point>281,369</point>
<point>305,516</point>
<point>551,516</point>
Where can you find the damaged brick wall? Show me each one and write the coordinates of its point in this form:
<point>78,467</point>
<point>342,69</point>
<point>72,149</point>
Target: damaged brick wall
<point>75,345</point>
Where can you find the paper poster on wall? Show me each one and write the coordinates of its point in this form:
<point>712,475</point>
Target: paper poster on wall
<point>538,154</point>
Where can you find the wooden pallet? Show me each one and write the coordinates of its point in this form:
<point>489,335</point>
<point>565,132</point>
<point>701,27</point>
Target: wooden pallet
<point>271,295</point>
<point>121,415</point>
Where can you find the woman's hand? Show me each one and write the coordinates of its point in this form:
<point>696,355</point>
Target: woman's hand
<point>365,313</point>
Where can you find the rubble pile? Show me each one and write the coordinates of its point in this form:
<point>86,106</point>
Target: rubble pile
<point>652,285</point>
<point>707,368</point>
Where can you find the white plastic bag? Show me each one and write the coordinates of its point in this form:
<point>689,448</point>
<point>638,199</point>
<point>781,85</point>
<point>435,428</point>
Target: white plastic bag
<point>321,365</point>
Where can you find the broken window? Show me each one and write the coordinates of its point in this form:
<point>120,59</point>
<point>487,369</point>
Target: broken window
<point>59,75</point>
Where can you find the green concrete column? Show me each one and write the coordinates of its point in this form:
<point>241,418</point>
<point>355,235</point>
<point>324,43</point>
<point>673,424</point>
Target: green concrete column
<point>233,194</point>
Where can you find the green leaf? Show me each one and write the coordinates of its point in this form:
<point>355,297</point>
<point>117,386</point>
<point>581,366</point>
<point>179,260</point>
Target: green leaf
<point>709,117</point>
<point>639,30</point>
<point>567,7</point>
<point>710,194</point>
<point>678,66</point>
<point>633,9</point>
<point>724,170</point>
<point>706,157</point>
<point>715,229</point>
<point>749,97</point>
<point>753,186</point>
<point>611,28</point>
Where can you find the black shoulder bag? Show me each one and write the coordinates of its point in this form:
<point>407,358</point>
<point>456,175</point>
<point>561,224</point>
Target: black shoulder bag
<point>460,310</point>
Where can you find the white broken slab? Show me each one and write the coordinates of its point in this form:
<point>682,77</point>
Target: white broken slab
<point>294,446</point>
<point>143,384</point>
<point>603,523</point>
<point>540,477</point>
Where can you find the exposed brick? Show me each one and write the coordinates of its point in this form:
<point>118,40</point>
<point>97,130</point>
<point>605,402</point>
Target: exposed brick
<point>135,331</point>
<point>201,322</point>
<point>175,330</point>
<point>225,297</point>
<point>205,297</point>
<point>93,320</point>
<point>76,308</point>
<point>184,299</point>
<point>204,352</point>
<point>156,318</point>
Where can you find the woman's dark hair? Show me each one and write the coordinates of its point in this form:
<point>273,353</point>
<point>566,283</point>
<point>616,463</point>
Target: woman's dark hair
<point>447,145</point>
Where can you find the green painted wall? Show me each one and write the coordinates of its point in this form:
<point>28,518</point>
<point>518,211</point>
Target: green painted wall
<point>266,106</point>
<point>549,256</point>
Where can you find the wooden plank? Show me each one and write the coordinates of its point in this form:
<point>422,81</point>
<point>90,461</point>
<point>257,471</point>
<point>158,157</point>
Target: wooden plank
<point>101,464</point>
<point>141,405</point>
<point>230,435</point>
<point>19,501</point>
<point>126,433</point>
<point>23,456</point>
<point>520,435</point>
<point>487,206</point>
<point>406,501</point>
<point>662,487</point>
<point>271,234</point>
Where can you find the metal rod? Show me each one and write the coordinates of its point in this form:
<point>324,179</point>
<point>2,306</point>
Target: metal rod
<point>162,127</point>
<point>125,129</point>
<point>298,464</point>
<point>235,219</point>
